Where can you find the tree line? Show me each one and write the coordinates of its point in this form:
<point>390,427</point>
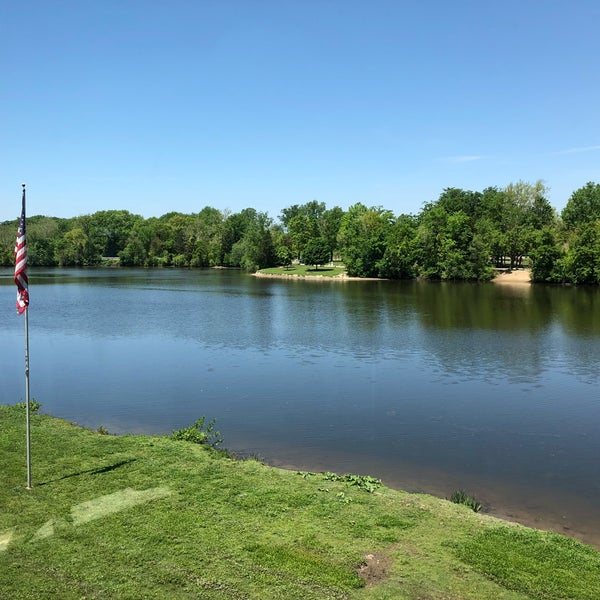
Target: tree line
<point>463,235</point>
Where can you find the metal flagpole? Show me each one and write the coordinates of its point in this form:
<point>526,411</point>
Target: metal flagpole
<point>27,408</point>
<point>22,305</point>
<point>27,398</point>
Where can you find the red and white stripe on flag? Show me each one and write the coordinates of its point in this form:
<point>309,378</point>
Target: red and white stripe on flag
<point>21,264</point>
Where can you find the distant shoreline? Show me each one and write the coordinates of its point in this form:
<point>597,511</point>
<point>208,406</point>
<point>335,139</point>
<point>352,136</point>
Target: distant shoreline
<point>515,277</point>
<point>340,277</point>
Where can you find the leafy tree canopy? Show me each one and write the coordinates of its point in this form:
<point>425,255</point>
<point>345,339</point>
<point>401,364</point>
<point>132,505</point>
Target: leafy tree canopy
<point>583,206</point>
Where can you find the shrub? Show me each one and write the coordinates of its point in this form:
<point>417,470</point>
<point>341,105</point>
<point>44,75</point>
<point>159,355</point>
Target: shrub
<point>199,433</point>
<point>460,497</point>
<point>34,406</point>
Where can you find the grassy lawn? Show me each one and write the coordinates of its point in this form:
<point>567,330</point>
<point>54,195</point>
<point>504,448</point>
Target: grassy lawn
<point>152,517</point>
<point>305,271</point>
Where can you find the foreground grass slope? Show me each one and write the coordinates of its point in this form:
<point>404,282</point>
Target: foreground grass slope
<point>150,517</point>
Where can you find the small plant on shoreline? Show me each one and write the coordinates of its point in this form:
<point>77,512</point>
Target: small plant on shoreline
<point>364,482</point>
<point>242,456</point>
<point>460,497</point>
<point>34,406</point>
<point>200,433</point>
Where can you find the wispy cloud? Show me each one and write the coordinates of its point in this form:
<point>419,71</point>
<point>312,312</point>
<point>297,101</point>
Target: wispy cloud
<point>578,150</point>
<point>461,159</point>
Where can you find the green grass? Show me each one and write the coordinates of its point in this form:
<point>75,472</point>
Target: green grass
<point>305,271</point>
<point>543,566</point>
<point>128,517</point>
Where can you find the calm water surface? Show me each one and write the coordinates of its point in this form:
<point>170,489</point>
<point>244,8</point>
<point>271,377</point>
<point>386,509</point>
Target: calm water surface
<point>432,387</point>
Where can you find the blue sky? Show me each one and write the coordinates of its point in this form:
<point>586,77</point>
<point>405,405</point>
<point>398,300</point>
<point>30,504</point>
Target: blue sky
<point>157,106</point>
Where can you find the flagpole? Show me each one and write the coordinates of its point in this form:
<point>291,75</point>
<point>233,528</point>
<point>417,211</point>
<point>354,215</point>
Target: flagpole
<point>27,399</point>
<point>22,282</point>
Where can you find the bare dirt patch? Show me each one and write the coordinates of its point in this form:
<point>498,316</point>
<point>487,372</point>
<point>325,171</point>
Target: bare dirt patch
<point>375,568</point>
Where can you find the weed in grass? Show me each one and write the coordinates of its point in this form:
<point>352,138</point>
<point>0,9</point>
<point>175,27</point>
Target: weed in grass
<point>460,497</point>
<point>200,433</point>
<point>343,498</point>
<point>305,474</point>
<point>34,406</point>
<point>363,482</point>
<point>242,456</point>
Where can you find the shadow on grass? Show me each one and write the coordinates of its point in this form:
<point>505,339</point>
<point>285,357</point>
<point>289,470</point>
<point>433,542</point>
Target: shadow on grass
<point>98,471</point>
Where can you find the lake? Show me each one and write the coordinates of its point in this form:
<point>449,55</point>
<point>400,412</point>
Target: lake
<point>432,387</point>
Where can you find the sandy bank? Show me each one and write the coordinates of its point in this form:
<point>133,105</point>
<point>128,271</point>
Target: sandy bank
<point>516,277</point>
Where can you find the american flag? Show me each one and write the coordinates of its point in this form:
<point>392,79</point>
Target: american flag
<point>21,264</point>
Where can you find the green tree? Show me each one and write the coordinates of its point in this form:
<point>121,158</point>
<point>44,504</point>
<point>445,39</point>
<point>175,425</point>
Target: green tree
<point>43,235</point>
<point>545,256</point>
<point>583,206</point>
<point>179,239</point>
<point>284,256</point>
<point>526,210</point>
<point>109,230</point>
<point>72,248</point>
<point>301,229</point>
<point>454,259</point>
<point>451,245</point>
<point>145,244</point>
<point>313,211</point>
<point>253,249</point>
<point>287,214</point>
<point>582,261</point>
<point>8,232</point>
<point>362,239</point>
<point>430,243</point>
<point>399,257</point>
<point>207,237</point>
<point>316,252</point>
<point>479,258</point>
<point>91,251</point>
<point>234,229</point>
<point>329,227</point>
<point>135,252</point>
<point>454,200</point>
<point>304,222</point>
<point>42,252</point>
